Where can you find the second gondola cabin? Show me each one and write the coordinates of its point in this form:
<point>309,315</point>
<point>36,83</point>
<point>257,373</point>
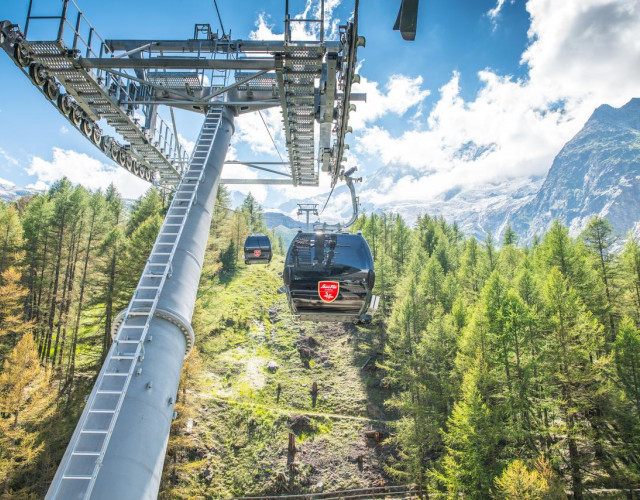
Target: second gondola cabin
<point>257,249</point>
<point>330,277</point>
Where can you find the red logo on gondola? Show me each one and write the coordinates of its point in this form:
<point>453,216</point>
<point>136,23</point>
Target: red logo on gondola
<point>257,253</point>
<point>328,290</point>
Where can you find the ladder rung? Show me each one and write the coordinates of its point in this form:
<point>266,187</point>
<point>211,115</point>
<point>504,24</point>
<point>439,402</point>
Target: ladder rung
<point>133,326</point>
<point>127,342</point>
<point>108,392</point>
<point>102,411</point>
<point>86,453</point>
<point>78,478</point>
<point>116,374</point>
<point>93,431</point>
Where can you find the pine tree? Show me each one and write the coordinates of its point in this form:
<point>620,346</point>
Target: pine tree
<point>491,252</point>
<point>146,206</point>
<point>253,212</point>
<point>469,273</point>
<point>229,258</point>
<point>370,232</point>
<point>630,277</point>
<point>627,355</point>
<point>401,243</point>
<point>509,237</point>
<point>600,239</point>
<point>472,440</point>
<point>36,241</point>
<point>137,250</point>
<point>573,343</point>
<point>95,231</point>
<point>109,290</point>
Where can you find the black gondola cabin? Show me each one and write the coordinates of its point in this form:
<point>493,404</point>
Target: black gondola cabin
<point>330,277</point>
<point>257,249</point>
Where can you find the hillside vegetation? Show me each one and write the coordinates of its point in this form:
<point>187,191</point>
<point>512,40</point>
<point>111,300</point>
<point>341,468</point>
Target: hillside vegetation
<point>251,385</point>
<point>490,370</point>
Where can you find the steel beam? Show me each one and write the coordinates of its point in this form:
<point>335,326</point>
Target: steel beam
<point>266,63</point>
<point>219,45</point>
<point>175,102</point>
<point>257,181</point>
<point>257,166</point>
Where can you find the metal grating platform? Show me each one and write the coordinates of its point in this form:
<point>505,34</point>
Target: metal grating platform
<point>101,101</point>
<point>176,80</point>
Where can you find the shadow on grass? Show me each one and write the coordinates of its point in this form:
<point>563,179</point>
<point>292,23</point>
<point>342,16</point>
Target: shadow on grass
<point>367,354</point>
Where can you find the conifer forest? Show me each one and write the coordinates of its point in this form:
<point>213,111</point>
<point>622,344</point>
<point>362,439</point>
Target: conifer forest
<point>507,370</point>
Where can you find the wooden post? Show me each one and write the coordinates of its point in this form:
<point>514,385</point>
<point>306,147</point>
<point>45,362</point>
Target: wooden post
<point>292,443</point>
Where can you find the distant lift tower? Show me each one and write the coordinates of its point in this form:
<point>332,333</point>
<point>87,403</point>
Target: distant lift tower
<point>308,209</point>
<point>112,91</point>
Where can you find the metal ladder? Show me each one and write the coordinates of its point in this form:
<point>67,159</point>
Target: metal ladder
<point>90,441</point>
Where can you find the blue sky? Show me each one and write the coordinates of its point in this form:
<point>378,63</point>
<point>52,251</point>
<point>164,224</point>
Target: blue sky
<point>473,101</point>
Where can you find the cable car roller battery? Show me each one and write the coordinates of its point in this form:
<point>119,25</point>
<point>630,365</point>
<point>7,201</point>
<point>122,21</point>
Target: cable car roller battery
<point>329,276</point>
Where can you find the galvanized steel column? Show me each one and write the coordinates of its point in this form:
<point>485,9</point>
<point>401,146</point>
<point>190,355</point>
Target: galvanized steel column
<point>133,462</point>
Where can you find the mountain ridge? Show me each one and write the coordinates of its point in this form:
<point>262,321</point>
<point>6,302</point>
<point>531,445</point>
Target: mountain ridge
<point>596,173</point>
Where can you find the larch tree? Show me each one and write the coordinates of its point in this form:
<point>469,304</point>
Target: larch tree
<point>599,238</point>
<point>11,252</point>
<point>574,339</point>
<point>12,322</point>
<point>627,355</point>
<point>25,397</point>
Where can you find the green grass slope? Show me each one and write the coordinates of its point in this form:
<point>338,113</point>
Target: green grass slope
<point>236,413</point>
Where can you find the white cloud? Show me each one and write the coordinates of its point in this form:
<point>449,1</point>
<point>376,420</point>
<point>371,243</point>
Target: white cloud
<point>300,30</point>
<point>186,144</point>
<point>251,130</point>
<point>399,94</point>
<point>494,13</point>
<point>8,158</point>
<point>7,183</point>
<point>82,169</point>
<point>64,130</point>
<point>586,51</point>
<point>259,191</point>
<point>580,55</point>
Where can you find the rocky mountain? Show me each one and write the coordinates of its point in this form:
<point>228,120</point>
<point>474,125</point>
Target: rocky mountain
<point>275,219</point>
<point>474,210</point>
<point>10,192</point>
<point>596,173</point>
